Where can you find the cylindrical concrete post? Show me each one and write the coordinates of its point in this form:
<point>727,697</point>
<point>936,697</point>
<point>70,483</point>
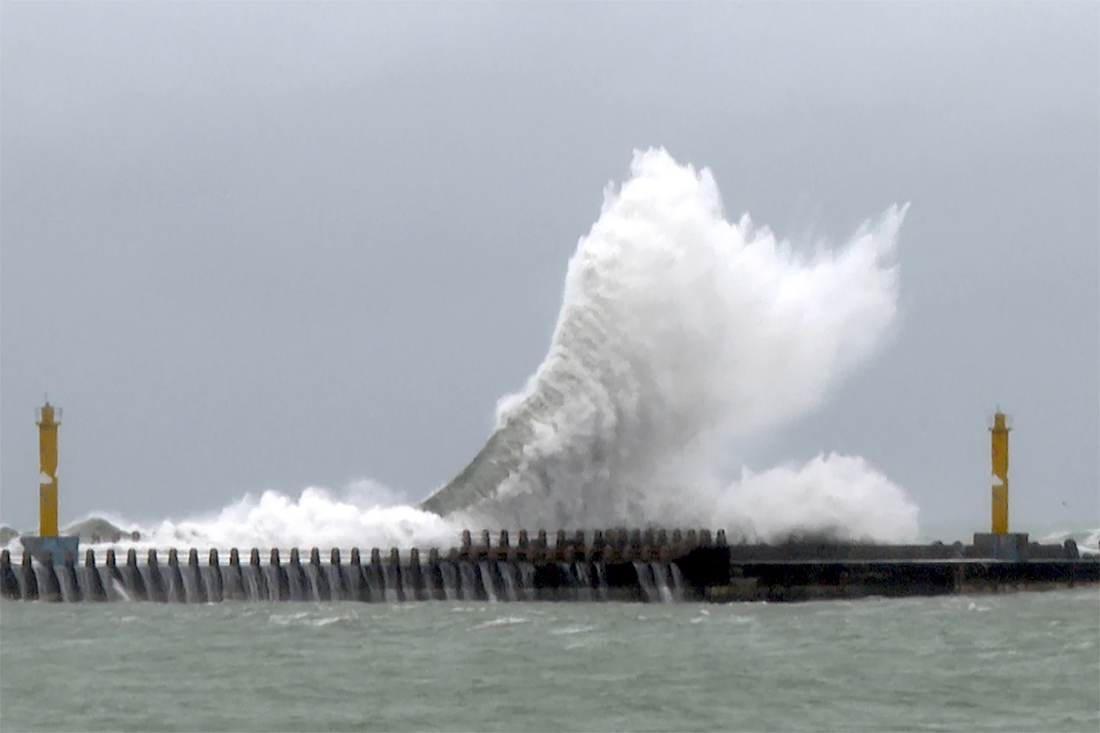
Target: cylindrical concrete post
<point>11,583</point>
<point>30,579</point>
<point>93,584</point>
<point>214,580</point>
<point>69,568</point>
<point>156,581</point>
<point>356,582</point>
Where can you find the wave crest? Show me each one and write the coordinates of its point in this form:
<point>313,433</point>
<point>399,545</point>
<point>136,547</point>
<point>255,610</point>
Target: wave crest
<point>680,333</point>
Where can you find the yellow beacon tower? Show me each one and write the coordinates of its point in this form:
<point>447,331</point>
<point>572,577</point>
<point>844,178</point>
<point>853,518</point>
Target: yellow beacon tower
<point>999,543</point>
<point>999,433</point>
<point>47,471</point>
<point>49,540</point>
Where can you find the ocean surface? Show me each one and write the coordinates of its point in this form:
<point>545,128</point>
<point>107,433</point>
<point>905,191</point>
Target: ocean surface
<point>1014,662</point>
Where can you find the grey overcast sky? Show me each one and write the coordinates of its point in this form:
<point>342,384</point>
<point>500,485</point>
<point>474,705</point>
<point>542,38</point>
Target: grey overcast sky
<point>274,245</point>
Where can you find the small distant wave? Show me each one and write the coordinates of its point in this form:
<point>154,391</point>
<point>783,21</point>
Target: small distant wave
<point>1088,540</point>
<point>8,535</point>
<point>363,514</point>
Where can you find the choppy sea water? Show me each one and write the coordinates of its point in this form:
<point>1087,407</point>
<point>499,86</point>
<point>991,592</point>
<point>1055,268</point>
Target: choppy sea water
<point>1002,662</point>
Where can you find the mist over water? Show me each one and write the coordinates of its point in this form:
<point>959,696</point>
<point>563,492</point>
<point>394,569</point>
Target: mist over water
<point>681,334</point>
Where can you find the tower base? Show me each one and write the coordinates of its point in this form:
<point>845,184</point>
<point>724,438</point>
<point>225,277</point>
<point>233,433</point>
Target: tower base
<point>1009,546</point>
<point>58,547</point>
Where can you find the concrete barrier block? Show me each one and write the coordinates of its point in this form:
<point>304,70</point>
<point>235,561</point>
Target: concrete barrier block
<point>359,589</point>
<point>325,590</point>
<point>68,568</point>
<point>201,591</point>
<point>131,579</point>
<point>230,581</point>
<point>93,586</point>
<point>281,591</point>
<point>264,590</point>
<point>433,574</point>
<point>296,576</point>
<point>415,579</point>
<point>30,579</point>
<point>175,577</point>
<point>7,574</point>
<point>155,589</point>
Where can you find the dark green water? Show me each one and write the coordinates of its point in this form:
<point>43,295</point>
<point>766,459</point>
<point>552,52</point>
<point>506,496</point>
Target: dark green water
<point>1009,662</point>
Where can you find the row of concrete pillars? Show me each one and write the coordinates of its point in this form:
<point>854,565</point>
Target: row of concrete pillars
<point>608,545</point>
<point>389,580</point>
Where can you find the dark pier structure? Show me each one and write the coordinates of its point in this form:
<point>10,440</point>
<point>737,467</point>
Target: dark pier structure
<point>602,565</point>
<point>650,565</point>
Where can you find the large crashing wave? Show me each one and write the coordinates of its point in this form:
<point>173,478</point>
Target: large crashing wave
<point>680,333</point>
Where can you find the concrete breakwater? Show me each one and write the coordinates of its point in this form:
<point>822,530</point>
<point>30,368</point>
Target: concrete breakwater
<point>604,565</point>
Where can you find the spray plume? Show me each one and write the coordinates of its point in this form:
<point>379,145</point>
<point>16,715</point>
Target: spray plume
<point>681,334</point>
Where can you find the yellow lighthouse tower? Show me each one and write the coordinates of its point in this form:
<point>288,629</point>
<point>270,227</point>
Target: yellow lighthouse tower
<point>48,539</point>
<point>47,471</point>
<point>999,450</point>
<point>999,543</point>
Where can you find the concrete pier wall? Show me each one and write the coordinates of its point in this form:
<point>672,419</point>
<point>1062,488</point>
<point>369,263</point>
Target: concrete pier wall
<point>652,565</point>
